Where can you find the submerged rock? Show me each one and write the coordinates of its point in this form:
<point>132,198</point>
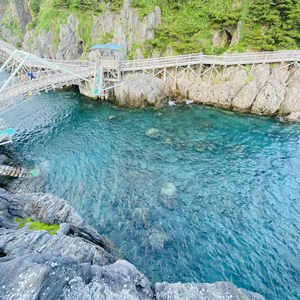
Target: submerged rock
<point>77,262</point>
<point>169,190</point>
<point>168,195</point>
<point>153,132</point>
<point>140,215</point>
<point>156,238</point>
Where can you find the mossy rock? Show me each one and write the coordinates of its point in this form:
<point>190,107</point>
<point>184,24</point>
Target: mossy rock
<point>52,229</point>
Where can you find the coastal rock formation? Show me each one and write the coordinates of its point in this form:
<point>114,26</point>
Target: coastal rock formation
<point>37,276</point>
<point>77,262</point>
<point>262,90</point>
<point>291,102</point>
<point>198,291</point>
<point>140,90</point>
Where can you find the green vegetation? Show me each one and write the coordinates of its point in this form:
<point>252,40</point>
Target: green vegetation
<point>187,25</point>
<point>52,229</point>
<point>12,25</point>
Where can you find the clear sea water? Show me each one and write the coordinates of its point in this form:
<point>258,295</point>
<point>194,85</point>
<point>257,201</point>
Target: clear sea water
<point>234,215</point>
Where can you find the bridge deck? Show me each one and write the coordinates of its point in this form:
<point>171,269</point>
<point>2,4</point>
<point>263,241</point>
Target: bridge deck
<point>67,72</point>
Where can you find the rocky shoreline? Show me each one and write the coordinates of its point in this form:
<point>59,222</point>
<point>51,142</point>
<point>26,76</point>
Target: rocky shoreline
<point>263,89</point>
<point>77,262</point>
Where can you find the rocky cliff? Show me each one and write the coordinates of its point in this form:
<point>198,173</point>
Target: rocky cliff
<point>263,89</point>
<point>77,262</point>
<point>74,31</point>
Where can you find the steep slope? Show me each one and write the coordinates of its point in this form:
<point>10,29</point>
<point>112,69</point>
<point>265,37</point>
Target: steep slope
<point>67,28</point>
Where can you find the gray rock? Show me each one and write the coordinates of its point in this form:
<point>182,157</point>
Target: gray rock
<point>268,99</point>
<point>10,208</point>
<point>291,101</point>
<point>69,43</point>
<point>202,291</point>
<point>42,45</point>
<point>156,238</point>
<point>38,276</point>
<point>245,98</point>
<point>16,242</point>
<point>153,132</point>
<point>261,74</point>
<point>74,263</point>
<point>48,209</point>
<point>169,189</point>
<point>293,117</point>
<point>219,39</point>
<point>21,12</point>
<point>139,90</point>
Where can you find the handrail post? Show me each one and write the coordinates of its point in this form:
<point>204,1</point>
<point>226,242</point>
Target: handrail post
<point>8,60</point>
<point>14,73</point>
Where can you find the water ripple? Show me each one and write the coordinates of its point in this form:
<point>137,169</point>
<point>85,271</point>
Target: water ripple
<point>234,214</point>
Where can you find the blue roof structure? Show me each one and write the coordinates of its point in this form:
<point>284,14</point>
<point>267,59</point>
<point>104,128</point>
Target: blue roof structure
<point>106,46</point>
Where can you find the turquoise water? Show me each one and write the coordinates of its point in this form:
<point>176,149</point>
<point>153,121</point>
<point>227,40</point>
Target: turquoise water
<point>234,213</point>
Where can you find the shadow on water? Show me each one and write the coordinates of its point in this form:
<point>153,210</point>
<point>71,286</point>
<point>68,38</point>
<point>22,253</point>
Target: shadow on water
<point>206,196</point>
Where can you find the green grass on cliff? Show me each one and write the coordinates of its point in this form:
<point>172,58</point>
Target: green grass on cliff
<point>187,25</point>
<point>52,229</point>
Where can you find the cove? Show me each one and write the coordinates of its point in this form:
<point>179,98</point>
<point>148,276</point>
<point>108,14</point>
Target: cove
<point>235,182</point>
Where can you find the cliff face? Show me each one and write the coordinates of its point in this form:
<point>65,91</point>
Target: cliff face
<point>270,90</point>
<point>14,17</point>
<point>149,28</point>
<point>75,31</point>
<point>77,262</point>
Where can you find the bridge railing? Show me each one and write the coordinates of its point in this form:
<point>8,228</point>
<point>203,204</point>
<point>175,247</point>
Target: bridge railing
<point>199,58</point>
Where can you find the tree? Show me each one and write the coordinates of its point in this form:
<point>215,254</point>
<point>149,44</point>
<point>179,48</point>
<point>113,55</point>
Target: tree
<point>85,4</point>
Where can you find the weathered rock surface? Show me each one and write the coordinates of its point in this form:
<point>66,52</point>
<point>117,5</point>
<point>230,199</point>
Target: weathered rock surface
<point>42,45</point>
<point>77,262</point>
<point>262,90</point>
<point>203,291</point>
<point>140,90</point>
<point>218,90</point>
<point>69,43</point>
<point>293,117</point>
<point>291,102</point>
<point>246,96</point>
<point>37,276</point>
<point>21,12</point>
<point>48,209</point>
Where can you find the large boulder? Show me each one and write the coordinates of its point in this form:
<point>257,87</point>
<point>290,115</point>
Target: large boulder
<point>140,90</point>
<point>48,209</point>
<point>272,93</point>
<point>291,101</point>
<point>269,99</point>
<point>48,277</point>
<point>244,99</point>
<point>212,89</point>
<point>74,263</point>
<point>17,242</point>
<point>203,291</point>
<point>261,74</point>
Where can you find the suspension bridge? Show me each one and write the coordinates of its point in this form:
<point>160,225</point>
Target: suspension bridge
<point>107,72</point>
<point>30,75</point>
